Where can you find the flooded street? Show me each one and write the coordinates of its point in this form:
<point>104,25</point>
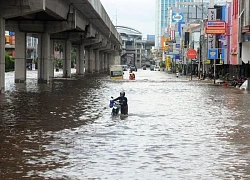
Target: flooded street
<point>176,129</point>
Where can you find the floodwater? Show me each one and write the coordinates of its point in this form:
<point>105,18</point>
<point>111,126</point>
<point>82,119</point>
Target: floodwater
<point>176,129</point>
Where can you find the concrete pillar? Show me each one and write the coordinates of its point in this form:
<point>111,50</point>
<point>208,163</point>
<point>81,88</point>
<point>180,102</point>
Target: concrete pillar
<point>111,59</point>
<point>20,57</point>
<point>81,59</point>
<point>67,59</point>
<point>2,54</point>
<point>39,56</point>
<point>52,60</point>
<point>104,61</point>
<point>77,59</point>
<point>44,57</point>
<point>97,60</point>
<point>106,65</point>
<point>101,61</point>
<point>87,59</point>
<point>108,60</point>
<point>91,60</point>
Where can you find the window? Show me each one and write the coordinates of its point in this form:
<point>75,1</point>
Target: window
<point>116,73</point>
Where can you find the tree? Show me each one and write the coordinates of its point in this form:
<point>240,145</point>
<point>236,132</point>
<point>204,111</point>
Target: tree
<point>9,63</point>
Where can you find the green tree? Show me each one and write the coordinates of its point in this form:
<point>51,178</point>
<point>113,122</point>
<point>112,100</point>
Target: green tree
<point>9,63</point>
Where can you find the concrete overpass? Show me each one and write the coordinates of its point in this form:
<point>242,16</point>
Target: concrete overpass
<point>80,23</point>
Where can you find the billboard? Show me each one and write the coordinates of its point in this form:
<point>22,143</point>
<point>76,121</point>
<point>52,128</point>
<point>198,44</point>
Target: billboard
<point>177,17</point>
<point>215,27</point>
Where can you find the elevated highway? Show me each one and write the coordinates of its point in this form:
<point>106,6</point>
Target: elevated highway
<point>81,23</point>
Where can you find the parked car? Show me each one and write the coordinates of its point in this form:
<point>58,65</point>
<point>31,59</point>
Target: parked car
<point>152,67</point>
<point>144,67</point>
<point>157,68</point>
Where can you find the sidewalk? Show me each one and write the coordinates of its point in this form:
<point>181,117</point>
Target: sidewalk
<point>218,82</point>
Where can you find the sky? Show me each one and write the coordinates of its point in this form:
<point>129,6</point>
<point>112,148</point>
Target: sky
<point>137,14</point>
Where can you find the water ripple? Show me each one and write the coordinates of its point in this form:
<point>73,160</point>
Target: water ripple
<point>176,129</point>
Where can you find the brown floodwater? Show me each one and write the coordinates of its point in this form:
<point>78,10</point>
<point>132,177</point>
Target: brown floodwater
<point>176,129</point>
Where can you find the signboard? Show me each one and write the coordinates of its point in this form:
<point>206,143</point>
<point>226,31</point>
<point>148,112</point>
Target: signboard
<point>212,13</point>
<point>223,39</point>
<point>213,53</point>
<point>215,27</point>
<point>168,62</point>
<point>177,17</point>
<point>191,54</point>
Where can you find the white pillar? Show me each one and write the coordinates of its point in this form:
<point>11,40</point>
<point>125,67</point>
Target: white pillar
<point>44,57</point>
<point>81,59</point>
<point>67,59</point>
<point>20,57</point>
<point>2,54</point>
<point>97,61</point>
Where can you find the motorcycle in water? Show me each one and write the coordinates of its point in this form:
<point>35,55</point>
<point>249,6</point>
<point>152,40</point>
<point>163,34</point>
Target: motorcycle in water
<point>115,107</point>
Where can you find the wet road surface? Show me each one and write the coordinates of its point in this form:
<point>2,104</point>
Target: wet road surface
<point>176,129</point>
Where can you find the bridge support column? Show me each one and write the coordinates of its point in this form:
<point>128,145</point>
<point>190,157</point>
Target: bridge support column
<point>91,60</point>
<point>105,62</point>
<point>111,59</point>
<point>2,54</point>
<point>77,59</point>
<point>20,57</point>
<point>117,58</point>
<point>81,59</point>
<point>51,60</point>
<point>87,59</point>
<point>44,64</point>
<point>67,59</point>
<point>97,61</point>
<point>101,61</point>
<point>108,60</point>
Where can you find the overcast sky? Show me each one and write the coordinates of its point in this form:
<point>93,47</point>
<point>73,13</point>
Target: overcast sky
<point>137,14</point>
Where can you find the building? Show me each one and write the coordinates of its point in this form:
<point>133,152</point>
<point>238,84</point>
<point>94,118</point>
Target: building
<point>133,46</point>
<point>164,15</point>
<point>31,48</point>
<point>208,2</point>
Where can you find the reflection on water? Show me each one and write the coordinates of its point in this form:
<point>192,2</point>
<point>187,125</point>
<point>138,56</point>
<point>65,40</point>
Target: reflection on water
<point>176,129</point>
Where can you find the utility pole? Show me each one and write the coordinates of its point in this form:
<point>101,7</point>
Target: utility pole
<point>202,42</point>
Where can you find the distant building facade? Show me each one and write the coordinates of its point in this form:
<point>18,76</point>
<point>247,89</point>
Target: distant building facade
<point>163,16</point>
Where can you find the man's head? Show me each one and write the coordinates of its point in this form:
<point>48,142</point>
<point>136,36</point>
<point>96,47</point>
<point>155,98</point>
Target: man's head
<point>122,94</point>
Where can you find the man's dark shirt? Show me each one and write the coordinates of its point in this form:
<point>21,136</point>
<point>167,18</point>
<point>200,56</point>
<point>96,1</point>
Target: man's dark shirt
<point>123,101</point>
